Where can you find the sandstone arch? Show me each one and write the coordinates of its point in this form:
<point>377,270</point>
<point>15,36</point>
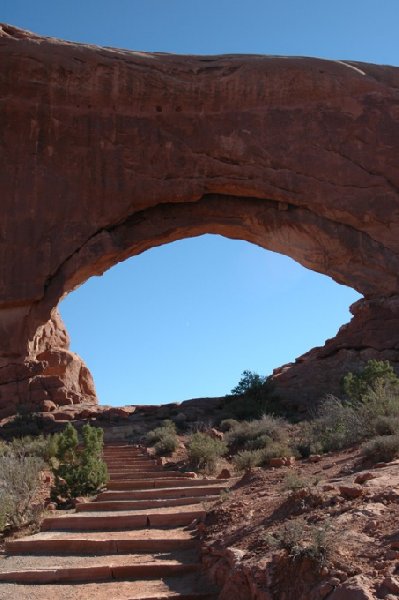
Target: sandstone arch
<point>108,152</point>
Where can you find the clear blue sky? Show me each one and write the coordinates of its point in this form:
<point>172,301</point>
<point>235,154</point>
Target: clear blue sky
<point>186,319</point>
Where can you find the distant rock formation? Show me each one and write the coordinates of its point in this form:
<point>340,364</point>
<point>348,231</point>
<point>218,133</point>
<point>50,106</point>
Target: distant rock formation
<point>106,153</point>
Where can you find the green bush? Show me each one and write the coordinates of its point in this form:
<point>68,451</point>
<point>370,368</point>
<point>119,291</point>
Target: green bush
<point>78,471</point>
<point>251,397</point>
<point>204,451</point>
<point>382,448</point>
<point>253,435</point>
<point>358,385</point>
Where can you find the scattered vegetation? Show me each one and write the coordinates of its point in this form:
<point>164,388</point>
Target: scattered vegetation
<point>204,451</point>
<point>370,407</point>
<point>164,438</point>
<point>78,470</point>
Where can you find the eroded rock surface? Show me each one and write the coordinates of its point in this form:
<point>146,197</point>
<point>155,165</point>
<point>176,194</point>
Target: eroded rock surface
<point>106,153</point>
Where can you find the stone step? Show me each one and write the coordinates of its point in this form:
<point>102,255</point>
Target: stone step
<point>115,469</point>
<point>119,458</point>
<point>67,569</point>
<point>143,484</point>
<point>97,543</point>
<point>142,504</point>
<point>131,459</point>
<point>112,447</point>
<point>107,522</point>
<point>161,494</point>
<point>81,546</point>
<point>125,453</point>
<point>186,587</point>
<point>132,463</point>
<point>153,474</point>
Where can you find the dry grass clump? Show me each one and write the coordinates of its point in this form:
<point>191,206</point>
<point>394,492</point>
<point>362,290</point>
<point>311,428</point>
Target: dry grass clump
<point>205,451</point>
<point>164,438</point>
<point>300,540</point>
<point>382,448</point>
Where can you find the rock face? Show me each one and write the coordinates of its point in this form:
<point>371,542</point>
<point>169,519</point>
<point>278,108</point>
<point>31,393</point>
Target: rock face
<point>106,153</point>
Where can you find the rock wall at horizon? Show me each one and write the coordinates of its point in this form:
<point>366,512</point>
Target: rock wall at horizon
<point>106,153</point>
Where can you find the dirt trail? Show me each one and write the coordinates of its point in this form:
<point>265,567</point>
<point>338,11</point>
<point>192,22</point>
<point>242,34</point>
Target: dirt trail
<point>136,541</point>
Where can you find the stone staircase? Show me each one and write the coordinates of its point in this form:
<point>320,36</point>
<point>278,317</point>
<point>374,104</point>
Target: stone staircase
<point>136,541</point>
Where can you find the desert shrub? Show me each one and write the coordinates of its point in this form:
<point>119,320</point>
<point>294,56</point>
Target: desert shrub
<point>204,451</point>
<point>3,448</point>
<point>228,424</point>
<point>274,450</point>
<point>201,426</point>
<point>293,482</point>
<point>245,460</point>
<point>336,426</point>
<point>303,541</point>
<point>24,423</point>
<point>169,424</point>
<point>251,397</point>
<point>380,400</point>
<point>252,435</point>
<point>155,435</point>
<point>78,471</point>
<point>20,482</point>
<point>339,424</point>
<point>385,425</point>
<point>376,372</point>
<point>41,446</point>
<point>164,438</point>
<point>166,444</point>
<point>382,448</point>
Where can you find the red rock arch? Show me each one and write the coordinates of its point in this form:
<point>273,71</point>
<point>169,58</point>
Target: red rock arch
<point>107,152</point>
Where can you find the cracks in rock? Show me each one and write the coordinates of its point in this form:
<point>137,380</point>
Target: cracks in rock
<point>367,170</point>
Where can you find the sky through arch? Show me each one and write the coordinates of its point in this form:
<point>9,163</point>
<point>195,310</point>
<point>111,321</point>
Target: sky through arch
<point>185,319</point>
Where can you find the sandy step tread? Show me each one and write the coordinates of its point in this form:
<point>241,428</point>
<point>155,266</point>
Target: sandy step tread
<point>123,505</point>
<point>142,484</point>
<point>163,493</point>
<point>180,533</point>
<point>110,520</point>
<point>182,588</point>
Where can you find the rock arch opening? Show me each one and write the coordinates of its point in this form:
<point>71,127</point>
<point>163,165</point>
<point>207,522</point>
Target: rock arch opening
<point>296,155</point>
<point>184,320</point>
